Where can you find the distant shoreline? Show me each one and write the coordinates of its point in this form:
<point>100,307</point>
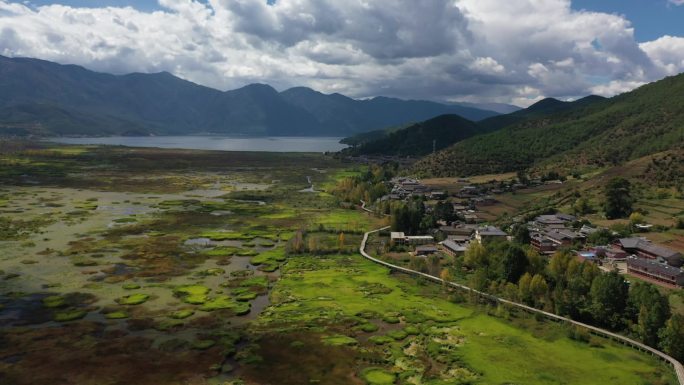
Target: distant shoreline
<point>213,142</point>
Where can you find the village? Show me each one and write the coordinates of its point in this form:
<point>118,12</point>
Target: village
<point>635,256</point>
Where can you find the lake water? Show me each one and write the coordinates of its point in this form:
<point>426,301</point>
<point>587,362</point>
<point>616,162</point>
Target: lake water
<point>222,143</point>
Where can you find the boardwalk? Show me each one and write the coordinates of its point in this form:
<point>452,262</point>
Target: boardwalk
<point>679,369</point>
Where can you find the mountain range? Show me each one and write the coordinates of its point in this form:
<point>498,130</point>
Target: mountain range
<point>438,133</point>
<point>45,98</point>
<point>592,131</point>
<point>551,134</point>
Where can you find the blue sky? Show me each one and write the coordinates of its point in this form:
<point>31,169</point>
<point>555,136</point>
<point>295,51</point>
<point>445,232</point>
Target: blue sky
<point>650,18</point>
<point>143,5</point>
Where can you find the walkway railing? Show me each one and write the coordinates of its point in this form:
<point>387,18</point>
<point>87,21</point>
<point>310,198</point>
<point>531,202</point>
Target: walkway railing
<point>679,369</point>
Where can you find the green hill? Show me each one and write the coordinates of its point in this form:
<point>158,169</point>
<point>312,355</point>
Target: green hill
<point>591,132</point>
<point>415,140</point>
<point>540,109</point>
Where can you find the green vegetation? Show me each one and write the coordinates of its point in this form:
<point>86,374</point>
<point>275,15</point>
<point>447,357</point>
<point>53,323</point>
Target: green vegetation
<point>418,139</point>
<point>376,376</point>
<point>117,315</point>
<point>313,310</point>
<point>618,198</point>
<point>182,314</point>
<point>321,293</point>
<point>54,301</point>
<point>638,123</point>
<point>69,315</point>
<point>192,294</point>
<point>133,299</point>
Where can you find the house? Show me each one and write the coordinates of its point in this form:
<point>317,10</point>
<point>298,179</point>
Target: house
<point>459,207</point>
<point>438,195</point>
<point>587,230</point>
<point>465,230</point>
<point>556,221</point>
<point>470,217</point>
<point>564,237</point>
<point>453,248</point>
<point>548,241</point>
<point>468,192</point>
<point>397,238</point>
<point>426,250</point>
<point>489,233</point>
<point>460,239</point>
<point>542,244</point>
<point>643,248</point>
<point>419,239</point>
<point>655,270</point>
<point>484,201</point>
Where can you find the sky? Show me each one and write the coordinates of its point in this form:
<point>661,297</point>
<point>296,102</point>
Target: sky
<point>515,51</point>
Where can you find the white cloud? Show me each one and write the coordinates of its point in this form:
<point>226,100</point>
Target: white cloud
<point>676,2</point>
<point>667,53</point>
<point>479,50</point>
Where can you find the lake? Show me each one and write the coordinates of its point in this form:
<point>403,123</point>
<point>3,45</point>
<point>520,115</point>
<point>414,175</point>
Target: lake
<point>222,143</point>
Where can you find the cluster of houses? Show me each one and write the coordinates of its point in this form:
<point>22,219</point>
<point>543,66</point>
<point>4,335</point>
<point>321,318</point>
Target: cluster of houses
<point>652,262</point>
<point>458,238</point>
<point>548,233</point>
<point>644,259</point>
<point>471,196</point>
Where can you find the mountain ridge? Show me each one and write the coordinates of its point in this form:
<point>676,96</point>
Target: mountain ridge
<point>161,103</point>
<point>596,132</point>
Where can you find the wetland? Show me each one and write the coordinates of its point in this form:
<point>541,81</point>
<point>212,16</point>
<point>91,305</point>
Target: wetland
<point>163,266</point>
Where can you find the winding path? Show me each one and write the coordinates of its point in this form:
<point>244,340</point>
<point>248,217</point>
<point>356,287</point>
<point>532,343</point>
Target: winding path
<point>679,369</point>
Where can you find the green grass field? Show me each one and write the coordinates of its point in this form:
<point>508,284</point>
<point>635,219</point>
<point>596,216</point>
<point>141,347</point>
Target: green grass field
<point>442,342</point>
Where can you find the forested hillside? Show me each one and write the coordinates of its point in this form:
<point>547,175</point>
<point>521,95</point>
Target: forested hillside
<point>417,139</point>
<point>594,132</point>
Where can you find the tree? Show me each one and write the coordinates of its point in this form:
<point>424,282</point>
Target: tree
<point>558,267</point>
<point>524,288</point>
<point>618,203</point>
<point>427,222</point>
<point>535,262</point>
<point>521,234</point>
<point>475,255</point>
<point>478,280</point>
<point>445,275</point>
<point>538,289</point>
<point>600,237</point>
<point>650,309</point>
<point>400,217</point>
<point>514,263</point>
<point>582,207</point>
<point>672,337</point>
<point>608,299</point>
<point>636,218</point>
<point>444,211</point>
<point>434,265</point>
